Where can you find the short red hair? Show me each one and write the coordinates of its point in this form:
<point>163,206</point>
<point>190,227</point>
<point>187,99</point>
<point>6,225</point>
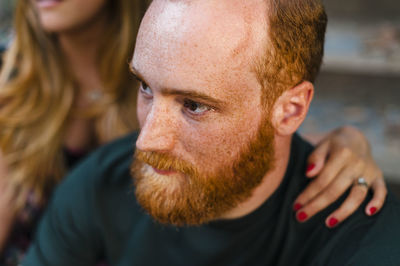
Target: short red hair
<point>295,46</point>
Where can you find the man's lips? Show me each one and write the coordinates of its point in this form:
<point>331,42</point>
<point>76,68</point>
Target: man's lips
<point>164,172</point>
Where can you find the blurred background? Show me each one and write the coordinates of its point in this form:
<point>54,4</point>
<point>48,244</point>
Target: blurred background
<point>5,20</point>
<point>360,79</point>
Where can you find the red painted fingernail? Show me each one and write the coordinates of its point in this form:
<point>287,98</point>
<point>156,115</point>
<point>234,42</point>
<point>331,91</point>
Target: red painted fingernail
<point>301,216</point>
<point>372,210</point>
<point>332,222</point>
<point>310,167</point>
<point>297,206</point>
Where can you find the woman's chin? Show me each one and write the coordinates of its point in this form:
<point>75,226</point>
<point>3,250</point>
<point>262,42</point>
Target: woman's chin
<point>53,23</point>
<point>52,27</point>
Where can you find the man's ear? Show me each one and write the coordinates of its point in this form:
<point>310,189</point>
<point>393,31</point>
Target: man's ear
<point>291,108</point>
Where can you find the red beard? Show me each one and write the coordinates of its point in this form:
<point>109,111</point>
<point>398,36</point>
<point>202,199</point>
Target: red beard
<point>194,197</point>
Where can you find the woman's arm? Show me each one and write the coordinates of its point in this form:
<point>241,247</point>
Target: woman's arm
<point>336,164</point>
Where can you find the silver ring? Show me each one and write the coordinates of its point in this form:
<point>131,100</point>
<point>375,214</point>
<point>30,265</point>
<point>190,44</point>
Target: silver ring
<point>361,182</point>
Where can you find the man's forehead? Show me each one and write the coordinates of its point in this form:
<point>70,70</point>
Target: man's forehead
<point>216,30</point>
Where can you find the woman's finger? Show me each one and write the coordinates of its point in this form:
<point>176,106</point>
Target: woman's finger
<point>317,158</point>
<point>349,206</point>
<point>380,192</point>
<point>329,195</point>
<point>332,168</point>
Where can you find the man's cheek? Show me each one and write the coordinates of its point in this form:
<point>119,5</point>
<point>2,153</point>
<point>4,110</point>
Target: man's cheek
<point>212,151</point>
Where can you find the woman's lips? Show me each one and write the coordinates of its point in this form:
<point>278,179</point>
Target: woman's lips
<point>163,172</point>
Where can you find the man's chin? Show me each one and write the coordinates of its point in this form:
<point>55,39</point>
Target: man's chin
<point>171,198</point>
<point>179,199</point>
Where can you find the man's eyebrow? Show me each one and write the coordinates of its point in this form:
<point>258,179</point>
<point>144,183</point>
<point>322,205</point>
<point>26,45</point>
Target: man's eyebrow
<point>193,95</point>
<point>172,92</point>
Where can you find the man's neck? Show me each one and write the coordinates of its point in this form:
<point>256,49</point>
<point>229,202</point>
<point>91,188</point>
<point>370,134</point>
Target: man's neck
<point>270,182</point>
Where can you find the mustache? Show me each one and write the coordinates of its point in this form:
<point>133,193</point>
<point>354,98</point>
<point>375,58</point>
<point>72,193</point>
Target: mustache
<point>166,162</point>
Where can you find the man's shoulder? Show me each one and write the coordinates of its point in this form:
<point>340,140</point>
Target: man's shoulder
<point>363,240</point>
<point>359,240</point>
<point>107,168</point>
<point>95,195</point>
<point>380,245</point>
<point>107,162</point>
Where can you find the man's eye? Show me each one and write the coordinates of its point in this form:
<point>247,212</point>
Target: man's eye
<point>195,108</point>
<point>145,90</point>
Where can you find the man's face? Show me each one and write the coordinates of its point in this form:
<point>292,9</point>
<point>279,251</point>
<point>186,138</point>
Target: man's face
<point>205,140</point>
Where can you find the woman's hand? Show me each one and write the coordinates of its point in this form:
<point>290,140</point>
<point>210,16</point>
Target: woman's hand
<point>336,164</point>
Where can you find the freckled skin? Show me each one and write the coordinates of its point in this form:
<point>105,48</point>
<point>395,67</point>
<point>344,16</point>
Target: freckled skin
<point>181,48</point>
<point>208,47</point>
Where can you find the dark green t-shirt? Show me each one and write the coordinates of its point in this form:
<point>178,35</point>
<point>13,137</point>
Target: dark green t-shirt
<point>94,214</point>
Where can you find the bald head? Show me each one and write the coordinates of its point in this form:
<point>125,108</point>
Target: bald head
<point>213,35</point>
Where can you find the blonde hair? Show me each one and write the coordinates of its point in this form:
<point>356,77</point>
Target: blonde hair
<point>37,93</point>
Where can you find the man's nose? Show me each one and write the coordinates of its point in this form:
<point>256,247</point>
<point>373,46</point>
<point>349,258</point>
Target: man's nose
<point>158,132</point>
